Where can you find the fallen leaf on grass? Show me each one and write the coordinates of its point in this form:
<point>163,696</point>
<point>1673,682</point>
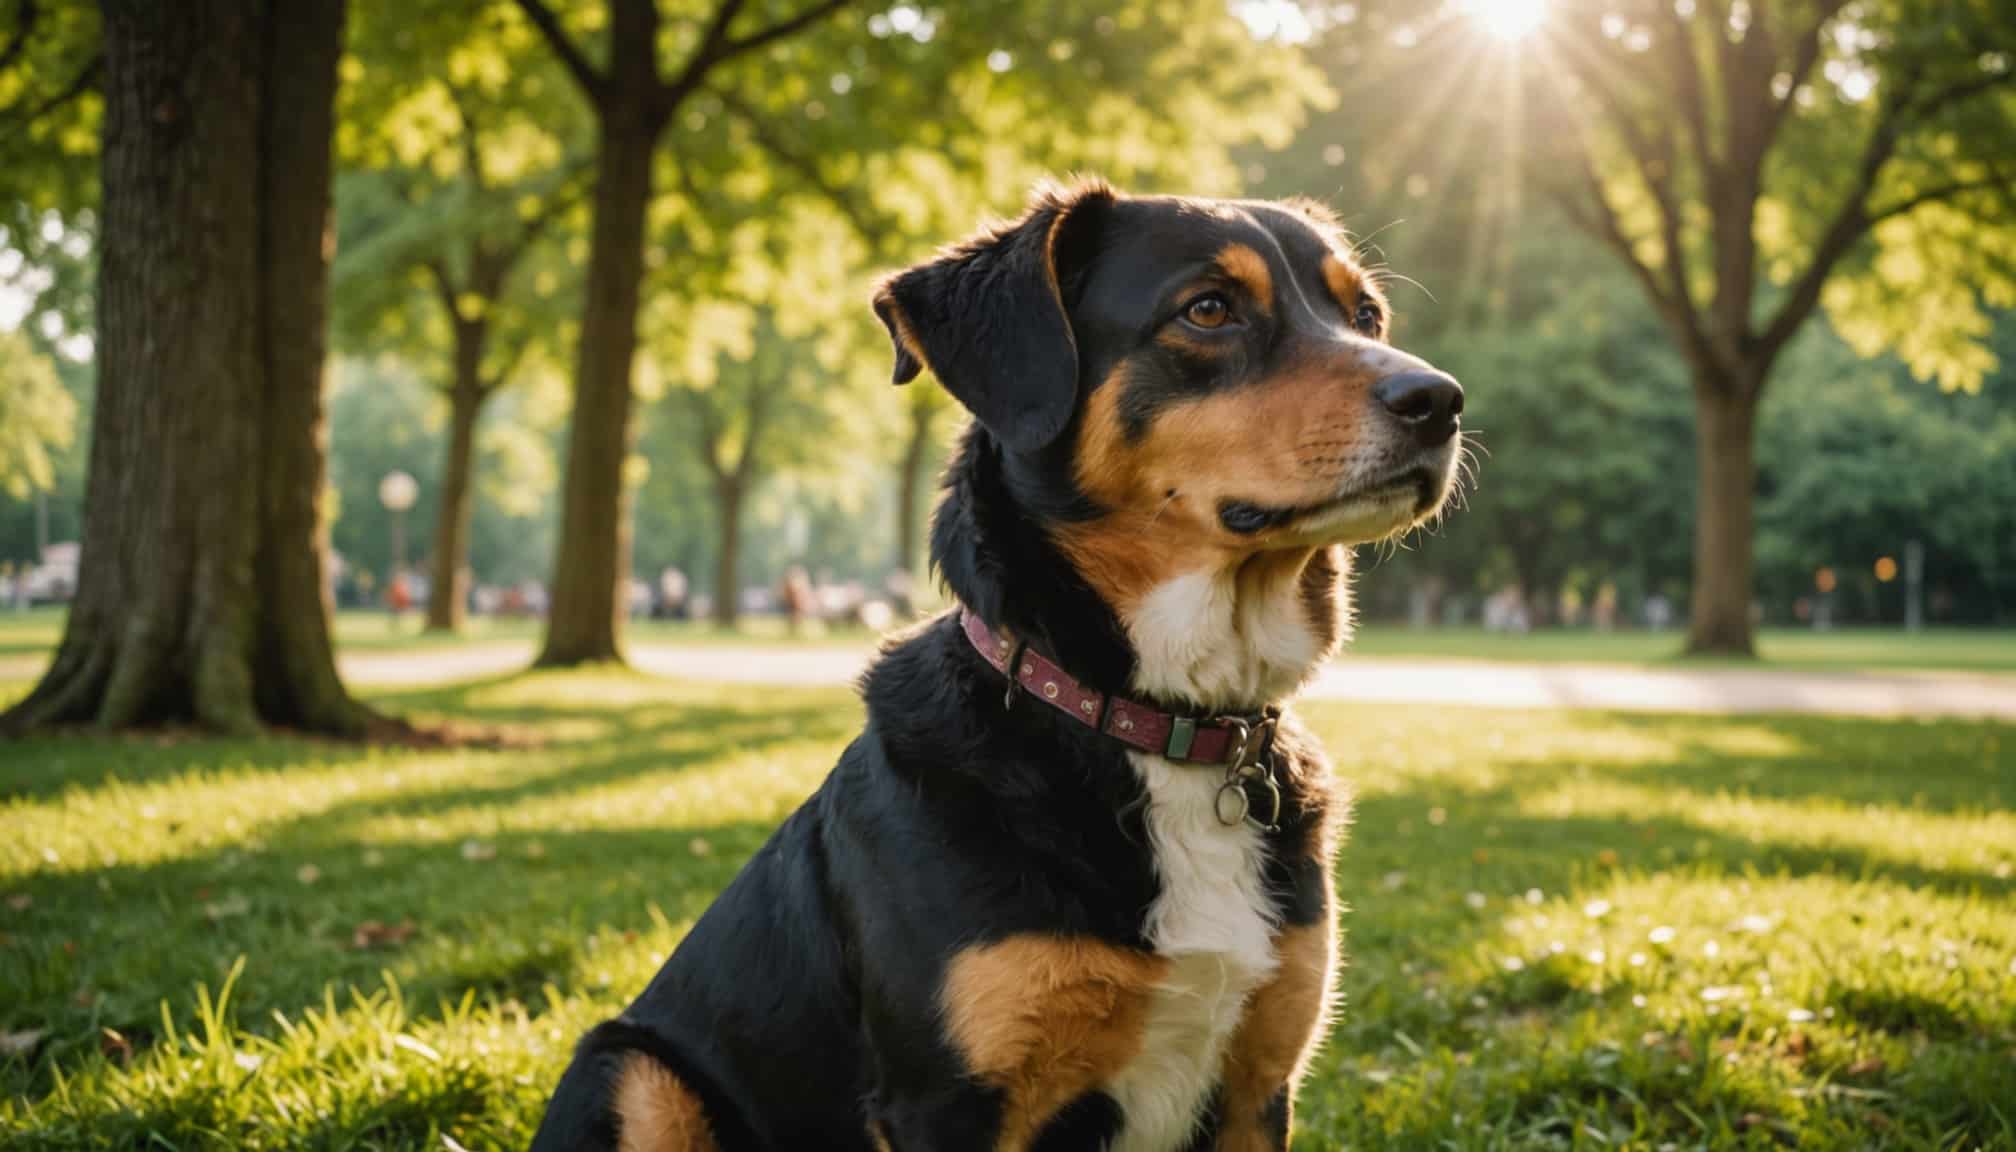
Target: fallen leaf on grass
<point>376,933</point>
<point>20,901</point>
<point>21,1043</point>
<point>308,874</point>
<point>477,850</point>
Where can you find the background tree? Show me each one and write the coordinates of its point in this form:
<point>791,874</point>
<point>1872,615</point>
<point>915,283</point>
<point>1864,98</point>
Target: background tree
<point>461,172</point>
<point>1746,163</point>
<point>632,99</point>
<point>201,593</point>
<point>383,414</point>
<point>1737,158</point>
<point>884,77</point>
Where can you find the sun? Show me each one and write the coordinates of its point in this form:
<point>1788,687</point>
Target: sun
<point>1507,21</point>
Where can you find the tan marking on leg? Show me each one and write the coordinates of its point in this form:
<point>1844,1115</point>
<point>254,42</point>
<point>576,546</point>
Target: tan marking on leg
<point>1045,1019</point>
<point>656,1112</point>
<point>1284,1022</point>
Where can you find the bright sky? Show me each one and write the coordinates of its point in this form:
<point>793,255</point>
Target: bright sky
<point>18,286</point>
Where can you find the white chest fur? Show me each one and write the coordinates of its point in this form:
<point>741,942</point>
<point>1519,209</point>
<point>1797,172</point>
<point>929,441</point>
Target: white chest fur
<point>1225,638</point>
<point>1222,638</point>
<point>1215,923</point>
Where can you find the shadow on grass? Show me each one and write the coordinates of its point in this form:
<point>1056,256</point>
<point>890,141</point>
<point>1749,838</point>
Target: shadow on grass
<point>1945,766</point>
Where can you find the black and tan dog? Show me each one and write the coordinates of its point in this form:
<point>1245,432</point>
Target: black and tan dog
<point>1088,907</point>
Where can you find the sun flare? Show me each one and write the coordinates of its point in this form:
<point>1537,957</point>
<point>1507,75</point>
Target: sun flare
<point>1507,21</point>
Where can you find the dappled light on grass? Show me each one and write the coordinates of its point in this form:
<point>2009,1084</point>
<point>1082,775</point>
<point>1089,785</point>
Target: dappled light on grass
<point>1931,846</point>
<point>1656,929</point>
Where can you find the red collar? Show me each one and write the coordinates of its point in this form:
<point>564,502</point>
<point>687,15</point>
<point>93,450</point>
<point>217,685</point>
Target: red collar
<point>1234,742</point>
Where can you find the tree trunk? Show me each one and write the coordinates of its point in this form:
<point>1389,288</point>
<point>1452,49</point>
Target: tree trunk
<point>586,609</point>
<point>728,493</point>
<point>1725,427</point>
<point>447,605</point>
<point>202,593</point>
<point>908,482</point>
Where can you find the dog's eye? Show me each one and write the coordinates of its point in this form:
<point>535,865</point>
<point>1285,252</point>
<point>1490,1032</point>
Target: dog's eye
<point>1208,311</point>
<point>1368,317</point>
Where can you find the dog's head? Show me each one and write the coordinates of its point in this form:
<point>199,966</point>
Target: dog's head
<point>1180,382</point>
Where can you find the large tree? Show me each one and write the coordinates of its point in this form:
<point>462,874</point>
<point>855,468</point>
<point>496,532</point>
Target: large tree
<point>202,593</point>
<point>1737,159</point>
<point>1746,161</point>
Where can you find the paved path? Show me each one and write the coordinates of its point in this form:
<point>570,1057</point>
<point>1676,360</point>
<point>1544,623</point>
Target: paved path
<point>1498,685</point>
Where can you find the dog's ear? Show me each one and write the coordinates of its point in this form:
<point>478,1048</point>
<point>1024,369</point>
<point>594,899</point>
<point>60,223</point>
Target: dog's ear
<point>989,318</point>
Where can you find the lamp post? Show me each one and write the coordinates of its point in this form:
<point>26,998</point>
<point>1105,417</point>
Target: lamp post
<point>397,492</point>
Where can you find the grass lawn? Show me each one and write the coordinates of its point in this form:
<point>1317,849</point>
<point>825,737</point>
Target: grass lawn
<point>1567,930</point>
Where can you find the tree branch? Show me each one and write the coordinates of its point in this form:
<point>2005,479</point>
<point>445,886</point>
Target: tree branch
<point>27,16</point>
<point>783,29</point>
<point>1854,218</point>
<point>1687,76</point>
<point>1804,57</point>
<point>760,393</point>
<point>704,55</point>
<point>1655,167</point>
<point>472,156</point>
<point>513,356</point>
<point>870,230</point>
<point>445,289</point>
<point>1591,212</point>
<point>1940,193</point>
<point>85,81</point>
<point>717,47</point>
<point>593,84</point>
<point>706,433</point>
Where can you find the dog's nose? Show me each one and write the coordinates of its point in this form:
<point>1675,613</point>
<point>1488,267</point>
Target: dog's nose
<point>1427,402</point>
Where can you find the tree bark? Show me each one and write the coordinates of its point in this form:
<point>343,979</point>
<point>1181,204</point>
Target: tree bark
<point>909,480</point>
<point>587,610</point>
<point>447,605</point>
<point>728,493</point>
<point>201,592</point>
<point>1725,432</point>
